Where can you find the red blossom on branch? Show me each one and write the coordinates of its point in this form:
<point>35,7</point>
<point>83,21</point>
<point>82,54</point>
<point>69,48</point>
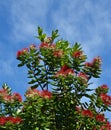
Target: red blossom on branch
<point>17,97</point>
<point>65,71</point>
<point>88,64</point>
<point>107,126</point>
<point>106,99</point>
<point>3,93</point>
<point>58,53</point>
<point>2,120</point>
<point>77,54</point>
<point>47,45</point>
<point>46,94</point>
<point>32,93</point>
<point>100,118</point>
<point>96,62</point>
<point>87,113</point>
<point>104,86</point>
<point>83,76</point>
<point>13,120</point>
<point>22,52</point>
<point>8,99</point>
<point>102,89</point>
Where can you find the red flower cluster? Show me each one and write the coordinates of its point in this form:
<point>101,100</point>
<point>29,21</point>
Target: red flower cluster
<point>34,92</point>
<point>100,118</point>
<point>47,45</point>
<point>102,89</point>
<point>83,76</point>
<point>106,99</point>
<point>58,53</point>
<point>13,120</point>
<point>6,97</point>
<point>84,112</point>
<point>87,113</point>
<point>22,52</point>
<point>65,71</point>
<point>77,54</point>
<point>16,97</point>
<point>95,63</point>
<point>97,60</point>
<point>3,93</point>
<point>46,94</point>
<point>107,126</point>
<point>88,64</point>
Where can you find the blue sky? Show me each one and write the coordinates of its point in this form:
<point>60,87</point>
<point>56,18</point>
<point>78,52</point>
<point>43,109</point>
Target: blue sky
<point>85,21</point>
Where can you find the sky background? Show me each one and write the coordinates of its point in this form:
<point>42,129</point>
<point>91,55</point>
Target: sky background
<point>85,21</point>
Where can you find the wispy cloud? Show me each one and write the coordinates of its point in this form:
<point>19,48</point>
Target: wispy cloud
<point>86,22</point>
<point>6,67</point>
<point>26,16</point>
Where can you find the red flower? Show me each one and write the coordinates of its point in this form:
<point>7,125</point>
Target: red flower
<point>104,87</point>
<point>83,76</point>
<point>87,113</point>
<point>107,126</point>
<point>22,52</point>
<point>12,98</point>
<point>2,120</point>
<point>47,45</point>
<point>88,64</point>
<point>14,120</point>
<point>65,71</point>
<point>58,53</point>
<point>60,73</point>
<point>105,98</point>
<point>3,92</point>
<point>32,93</point>
<point>17,97</point>
<point>8,99</point>
<point>64,68</point>
<point>96,62</point>
<point>100,118</point>
<point>44,45</point>
<point>77,54</point>
<point>69,72</point>
<point>46,94</point>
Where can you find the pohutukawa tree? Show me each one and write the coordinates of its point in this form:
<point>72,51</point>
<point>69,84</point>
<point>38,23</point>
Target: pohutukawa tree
<point>59,80</point>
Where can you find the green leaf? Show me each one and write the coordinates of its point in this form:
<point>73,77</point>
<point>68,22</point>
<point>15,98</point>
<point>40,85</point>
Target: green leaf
<point>54,34</point>
<point>32,81</point>
<point>76,47</point>
<point>21,64</point>
<point>40,31</point>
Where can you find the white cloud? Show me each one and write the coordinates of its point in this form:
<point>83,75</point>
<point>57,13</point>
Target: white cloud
<point>26,16</point>
<point>86,22</point>
<point>6,67</point>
